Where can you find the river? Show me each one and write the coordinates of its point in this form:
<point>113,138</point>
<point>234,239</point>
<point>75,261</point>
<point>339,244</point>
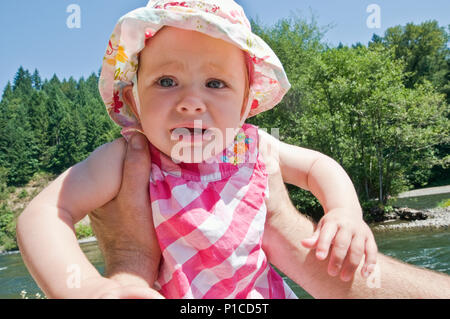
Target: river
<point>422,248</point>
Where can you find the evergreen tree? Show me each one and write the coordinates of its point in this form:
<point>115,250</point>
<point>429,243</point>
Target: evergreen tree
<point>36,80</point>
<point>56,107</point>
<point>7,92</point>
<point>17,147</point>
<point>69,88</point>
<point>23,83</point>
<point>39,122</point>
<point>71,147</point>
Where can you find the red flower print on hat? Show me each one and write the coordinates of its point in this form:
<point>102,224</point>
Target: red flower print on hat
<point>117,103</point>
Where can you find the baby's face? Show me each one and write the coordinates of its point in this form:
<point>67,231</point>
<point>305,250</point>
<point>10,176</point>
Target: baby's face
<point>186,76</point>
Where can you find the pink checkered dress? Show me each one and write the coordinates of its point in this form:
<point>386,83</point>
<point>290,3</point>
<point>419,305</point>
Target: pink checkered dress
<point>209,220</point>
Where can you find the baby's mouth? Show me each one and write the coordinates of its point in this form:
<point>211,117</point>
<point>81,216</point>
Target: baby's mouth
<point>190,134</point>
<point>192,131</point>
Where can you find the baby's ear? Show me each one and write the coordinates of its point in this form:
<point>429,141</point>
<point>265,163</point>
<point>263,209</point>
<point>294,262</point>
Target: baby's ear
<point>128,98</point>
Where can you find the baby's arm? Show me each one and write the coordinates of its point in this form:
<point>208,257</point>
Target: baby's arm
<point>342,225</point>
<point>45,229</point>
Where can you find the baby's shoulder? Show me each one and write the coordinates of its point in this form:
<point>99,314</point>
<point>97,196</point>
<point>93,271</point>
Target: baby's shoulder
<point>106,161</point>
<point>110,152</point>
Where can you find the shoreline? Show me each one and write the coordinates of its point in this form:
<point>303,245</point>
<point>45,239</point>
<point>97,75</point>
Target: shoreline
<point>80,241</point>
<point>438,219</point>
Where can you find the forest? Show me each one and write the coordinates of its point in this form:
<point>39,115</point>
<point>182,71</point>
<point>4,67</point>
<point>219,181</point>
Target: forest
<point>381,110</point>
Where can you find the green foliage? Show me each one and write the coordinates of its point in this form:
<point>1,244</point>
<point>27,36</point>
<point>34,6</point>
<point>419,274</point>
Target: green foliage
<point>424,49</point>
<point>23,194</point>
<point>445,203</point>
<point>7,229</point>
<point>425,53</point>
<point>381,132</point>
<point>83,231</point>
<point>49,126</point>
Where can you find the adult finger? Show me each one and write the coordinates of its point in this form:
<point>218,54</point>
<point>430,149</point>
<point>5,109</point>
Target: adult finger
<point>134,197</point>
<point>339,252</point>
<point>136,168</point>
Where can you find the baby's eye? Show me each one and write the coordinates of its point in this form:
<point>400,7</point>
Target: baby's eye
<point>166,82</point>
<point>215,84</point>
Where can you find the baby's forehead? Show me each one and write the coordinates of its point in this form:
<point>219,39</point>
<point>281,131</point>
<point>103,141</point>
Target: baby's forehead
<point>211,53</point>
<point>176,41</point>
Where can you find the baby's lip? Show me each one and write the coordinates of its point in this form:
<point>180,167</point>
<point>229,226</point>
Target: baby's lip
<point>196,133</point>
<point>190,126</point>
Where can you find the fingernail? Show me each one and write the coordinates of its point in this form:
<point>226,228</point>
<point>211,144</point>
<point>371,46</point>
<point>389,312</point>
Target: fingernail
<point>346,277</point>
<point>333,272</point>
<point>136,142</point>
<point>370,269</point>
<point>365,273</point>
<point>321,255</point>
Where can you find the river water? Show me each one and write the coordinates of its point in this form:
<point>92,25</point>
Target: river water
<point>428,249</point>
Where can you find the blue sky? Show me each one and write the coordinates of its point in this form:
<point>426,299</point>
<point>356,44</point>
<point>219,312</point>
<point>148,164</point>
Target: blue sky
<point>35,33</point>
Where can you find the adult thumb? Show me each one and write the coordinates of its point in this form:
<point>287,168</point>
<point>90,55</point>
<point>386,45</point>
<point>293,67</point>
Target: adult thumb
<point>137,163</point>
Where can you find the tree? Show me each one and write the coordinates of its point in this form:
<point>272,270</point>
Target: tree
<point>383,133</point>
<point>39,122</point>
<point>7,92</point>
<point>297,43</point>
<point>17,147</point>
<point>22,84</point>
<point>36,80</point>
<point>70,148</point>
<point>424,49</point>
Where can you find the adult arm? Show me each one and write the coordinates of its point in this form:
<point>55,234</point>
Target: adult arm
<point>286,228</point>
<point>342,223</point>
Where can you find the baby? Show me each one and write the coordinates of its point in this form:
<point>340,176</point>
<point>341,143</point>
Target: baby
<point>187,75</point>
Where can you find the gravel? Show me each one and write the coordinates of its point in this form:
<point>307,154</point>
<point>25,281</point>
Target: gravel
<point>438,218</point>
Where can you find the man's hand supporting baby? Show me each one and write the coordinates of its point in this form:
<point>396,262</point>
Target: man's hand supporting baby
<point>131,254</point>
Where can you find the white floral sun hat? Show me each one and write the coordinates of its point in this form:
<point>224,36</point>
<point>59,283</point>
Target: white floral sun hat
<point>223,19</point>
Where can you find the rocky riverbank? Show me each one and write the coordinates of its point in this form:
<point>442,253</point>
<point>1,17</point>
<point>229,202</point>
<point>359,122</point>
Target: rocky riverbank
<point>410,219</point>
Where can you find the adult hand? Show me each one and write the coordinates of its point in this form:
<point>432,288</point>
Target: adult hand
<point>124,227</point>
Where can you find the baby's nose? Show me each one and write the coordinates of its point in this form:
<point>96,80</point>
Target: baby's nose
<point>191,106</point>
